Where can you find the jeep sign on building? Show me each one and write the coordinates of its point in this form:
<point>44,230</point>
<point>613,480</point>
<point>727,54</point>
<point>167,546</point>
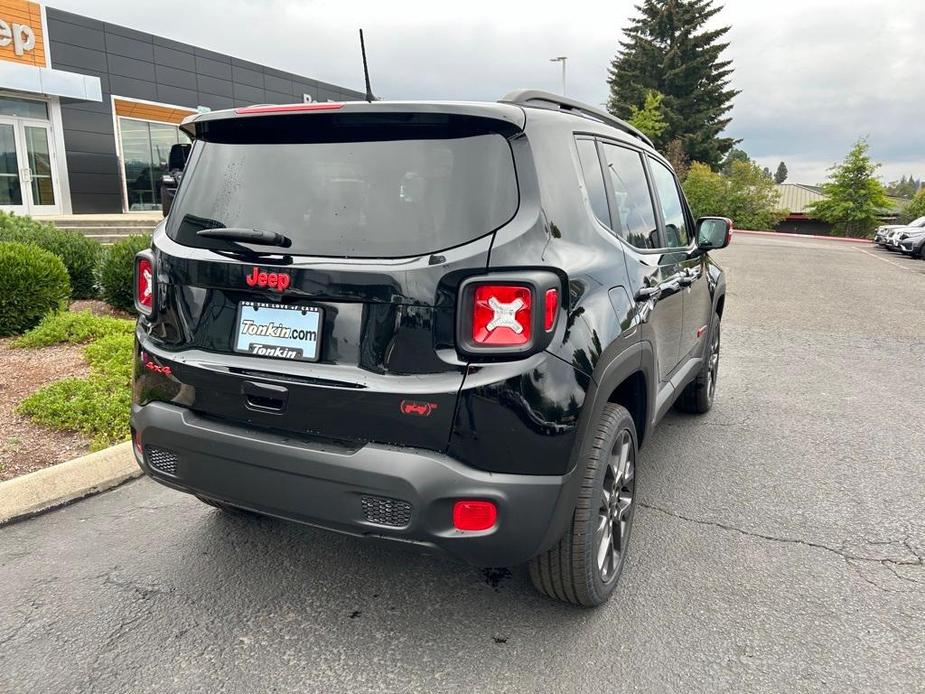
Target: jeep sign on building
<point>89,110</point>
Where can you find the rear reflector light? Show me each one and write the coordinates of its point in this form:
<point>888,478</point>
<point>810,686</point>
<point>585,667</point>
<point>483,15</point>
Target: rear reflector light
<point>144,283</point>
<point>289,108</point>
<point>501,315</point>
<point>552,307</point>
<point>474,515</point>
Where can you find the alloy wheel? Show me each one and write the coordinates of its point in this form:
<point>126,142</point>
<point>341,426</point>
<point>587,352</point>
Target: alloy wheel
<point>713,367</point>
<point>616,509</point>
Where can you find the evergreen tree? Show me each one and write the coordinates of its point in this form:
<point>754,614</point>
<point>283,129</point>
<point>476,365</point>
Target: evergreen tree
<point>735,154</point>
<point>854,198</point>
<point>649,118</point>
<point>767,173</point>
<point>667,49</point>
<point>781,174</point>
<point>677,157</point>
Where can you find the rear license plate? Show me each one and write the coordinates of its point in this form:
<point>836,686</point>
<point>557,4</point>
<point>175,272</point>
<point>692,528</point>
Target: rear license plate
<point>279,332</point>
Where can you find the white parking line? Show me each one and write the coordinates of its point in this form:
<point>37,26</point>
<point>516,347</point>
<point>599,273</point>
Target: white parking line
<point>885,260</point>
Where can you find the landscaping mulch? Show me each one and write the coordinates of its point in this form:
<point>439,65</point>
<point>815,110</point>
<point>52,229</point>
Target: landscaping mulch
<point>98,308</point>
<point>24,445</point>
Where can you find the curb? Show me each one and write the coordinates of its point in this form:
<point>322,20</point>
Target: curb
<point>53,486</point>
<point>842,239</point>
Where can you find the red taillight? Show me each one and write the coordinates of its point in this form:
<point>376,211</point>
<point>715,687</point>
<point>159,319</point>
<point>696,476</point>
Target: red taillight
<point>552,307</point>
<point>289,108</point>
<point>501,315</point>
<point>144,283</point>
<point>136,442</point>
<point>474,515</point>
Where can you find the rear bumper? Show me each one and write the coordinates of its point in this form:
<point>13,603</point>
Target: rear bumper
<point>325,485</point>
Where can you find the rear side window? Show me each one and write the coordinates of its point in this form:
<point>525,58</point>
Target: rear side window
<point>676,230</point>
<point>634,214</point>
<point>594,179</point>
<point>367,191</point>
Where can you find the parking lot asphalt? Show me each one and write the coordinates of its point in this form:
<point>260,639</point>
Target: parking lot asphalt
<point>779,545</point>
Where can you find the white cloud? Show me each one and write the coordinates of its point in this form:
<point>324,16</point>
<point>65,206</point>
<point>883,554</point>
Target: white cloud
<point>815,74</point>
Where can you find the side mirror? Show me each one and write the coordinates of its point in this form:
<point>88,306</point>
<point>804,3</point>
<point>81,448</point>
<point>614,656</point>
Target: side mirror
<point>179,153</point>
<point>713,233</point>
<point>168,180</point>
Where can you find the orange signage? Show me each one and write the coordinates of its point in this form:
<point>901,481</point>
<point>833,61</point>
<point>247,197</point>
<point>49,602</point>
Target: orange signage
<point>21,35</point>
<point>137,109</point>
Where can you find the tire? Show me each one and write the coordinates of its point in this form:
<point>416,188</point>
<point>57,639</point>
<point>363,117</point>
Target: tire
<point>697,397</point>
<point>572,570</point>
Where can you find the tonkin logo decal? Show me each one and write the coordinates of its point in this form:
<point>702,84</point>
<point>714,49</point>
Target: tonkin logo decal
<point>274,280</point>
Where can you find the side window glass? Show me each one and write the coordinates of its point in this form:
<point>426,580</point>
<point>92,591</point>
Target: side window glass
<point>594,179</point>
<point>634,214</point>
<point>672,208</point>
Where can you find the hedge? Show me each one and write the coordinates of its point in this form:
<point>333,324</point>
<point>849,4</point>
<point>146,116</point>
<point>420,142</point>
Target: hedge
<point>33,282</point>
<point>117,272</point>
<point>79,254</point>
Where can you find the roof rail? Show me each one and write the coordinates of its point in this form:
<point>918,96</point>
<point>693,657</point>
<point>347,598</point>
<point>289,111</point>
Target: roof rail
<point>537,97</point>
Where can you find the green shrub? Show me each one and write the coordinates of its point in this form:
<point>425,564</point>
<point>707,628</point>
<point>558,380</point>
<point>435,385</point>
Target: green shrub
<point>33,282</point>
<point>117,271</point>
<point>80,255</point>
<point>744,194</point>
<point>112,355</point>
<point>73,327</point>
<point>97,405</point>
<point>915,209</point>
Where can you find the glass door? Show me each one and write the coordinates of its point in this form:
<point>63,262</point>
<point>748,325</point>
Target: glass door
<point>40,166</point>
<point>28,184</point>
<point>11,189</point>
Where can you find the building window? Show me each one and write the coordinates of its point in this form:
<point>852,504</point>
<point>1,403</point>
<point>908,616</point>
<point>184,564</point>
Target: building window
<point>145,149</point>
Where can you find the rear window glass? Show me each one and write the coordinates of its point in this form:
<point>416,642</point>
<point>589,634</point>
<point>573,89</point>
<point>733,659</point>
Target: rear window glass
<point>377,193</point>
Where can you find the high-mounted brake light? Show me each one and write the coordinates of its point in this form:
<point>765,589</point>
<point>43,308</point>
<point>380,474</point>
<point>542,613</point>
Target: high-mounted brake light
<point>145,283</point>
<point>502,315</point>
<point>289,108</point>
<point>473,515</point>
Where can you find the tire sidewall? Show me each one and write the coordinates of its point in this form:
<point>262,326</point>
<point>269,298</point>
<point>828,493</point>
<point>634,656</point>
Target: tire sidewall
<point>598,589</point>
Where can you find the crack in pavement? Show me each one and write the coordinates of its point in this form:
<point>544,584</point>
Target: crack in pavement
<point>919,559</point>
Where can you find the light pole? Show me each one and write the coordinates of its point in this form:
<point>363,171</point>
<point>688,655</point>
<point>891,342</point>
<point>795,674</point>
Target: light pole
<point>561,59</point>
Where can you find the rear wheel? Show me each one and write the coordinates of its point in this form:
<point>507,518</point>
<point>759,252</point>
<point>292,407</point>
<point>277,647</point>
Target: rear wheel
<point>584,566</point>
<point>697,397</point>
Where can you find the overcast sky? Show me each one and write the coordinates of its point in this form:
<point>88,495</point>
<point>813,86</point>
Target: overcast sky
<point>815,74</point>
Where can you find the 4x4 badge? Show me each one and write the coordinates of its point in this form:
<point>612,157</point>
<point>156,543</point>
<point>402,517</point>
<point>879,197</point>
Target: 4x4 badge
<point>274,280</point>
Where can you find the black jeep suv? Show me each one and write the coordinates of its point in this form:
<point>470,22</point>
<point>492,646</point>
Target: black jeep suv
<point>448,324</point>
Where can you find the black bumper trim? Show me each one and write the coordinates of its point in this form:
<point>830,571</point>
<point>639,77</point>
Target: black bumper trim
<point>322,485</point>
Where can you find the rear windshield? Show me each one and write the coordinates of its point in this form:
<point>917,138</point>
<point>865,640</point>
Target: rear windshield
<point>382,192</point>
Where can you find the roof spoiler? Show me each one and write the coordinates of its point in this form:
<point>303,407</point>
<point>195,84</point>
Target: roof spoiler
<point>541,99</point>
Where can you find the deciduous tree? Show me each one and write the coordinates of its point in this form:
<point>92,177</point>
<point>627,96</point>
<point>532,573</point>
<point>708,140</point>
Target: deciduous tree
<point>854,197</point>
<point>746,195</point>
<point>649,118</point>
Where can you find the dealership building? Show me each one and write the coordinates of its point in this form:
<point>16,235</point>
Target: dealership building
<point>89,110</point>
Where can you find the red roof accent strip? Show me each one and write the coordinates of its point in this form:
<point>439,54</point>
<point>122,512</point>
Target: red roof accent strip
<point>289,108</point>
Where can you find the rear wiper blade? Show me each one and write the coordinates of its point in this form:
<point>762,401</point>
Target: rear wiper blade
<point>255,236</point>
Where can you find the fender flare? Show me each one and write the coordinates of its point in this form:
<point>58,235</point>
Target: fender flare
<point>608,374</point>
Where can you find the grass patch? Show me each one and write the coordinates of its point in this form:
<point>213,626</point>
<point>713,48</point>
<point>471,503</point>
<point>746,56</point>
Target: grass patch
<point>98,404</point>
<point>73,328</point>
